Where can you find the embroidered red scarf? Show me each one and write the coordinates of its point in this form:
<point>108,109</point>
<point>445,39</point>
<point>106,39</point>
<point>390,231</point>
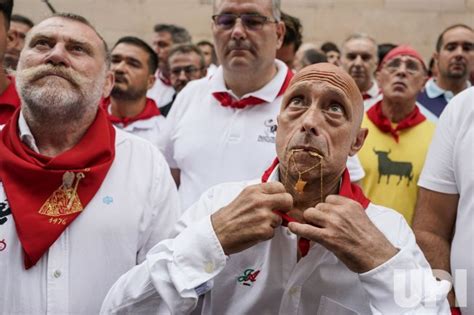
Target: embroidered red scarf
<point>226,100</point>
<point>46,194</point>
<point>347,189</point>
<point>376,116</point>
<point>150,110</point>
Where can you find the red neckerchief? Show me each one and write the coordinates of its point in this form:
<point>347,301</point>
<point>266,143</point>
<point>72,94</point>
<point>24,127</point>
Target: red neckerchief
<point>42,209</point>
<point>166,81</point>
<point>9,101</point>
<point>150,110</point>
<point>226,100</point>
<point>347,189</point>
<point>376,116</point>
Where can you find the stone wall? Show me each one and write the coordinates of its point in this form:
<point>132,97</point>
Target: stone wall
<point>415,22</point>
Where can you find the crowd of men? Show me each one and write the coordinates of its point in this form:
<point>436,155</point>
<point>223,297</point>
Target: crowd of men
<point>250,174</point>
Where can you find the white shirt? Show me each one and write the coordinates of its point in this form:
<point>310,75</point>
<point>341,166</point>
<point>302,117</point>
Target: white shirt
<point>161,93</point>
<point>211,70</point>
<point>433,90</point>
<point>213,144</point>
<point>176,271</point>
<point>135,207</point>
<point>149,129</point>
<point>449,168</point>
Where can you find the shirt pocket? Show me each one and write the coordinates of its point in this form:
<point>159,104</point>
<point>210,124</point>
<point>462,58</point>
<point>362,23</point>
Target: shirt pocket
<point>328,306</point>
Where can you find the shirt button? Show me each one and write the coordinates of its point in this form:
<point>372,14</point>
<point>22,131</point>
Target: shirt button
<point>209,267</point>
<point>57,274</point>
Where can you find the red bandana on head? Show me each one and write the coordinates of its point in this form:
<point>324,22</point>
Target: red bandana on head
<point>150,110</point>
<point>226,100</point>
<point>46,194</point>
<point>347,189</point>
<point>9,101</point>
<point>376,116</point>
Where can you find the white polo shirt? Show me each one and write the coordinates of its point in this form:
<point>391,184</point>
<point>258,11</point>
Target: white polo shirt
<point>212,144</point>
<point>135,207</point>
<point>160,92</point>
<point>268,279</point>
<point>449,169</point>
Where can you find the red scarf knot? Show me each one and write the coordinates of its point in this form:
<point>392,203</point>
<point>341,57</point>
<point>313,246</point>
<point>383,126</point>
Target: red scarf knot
<point>376,116</point>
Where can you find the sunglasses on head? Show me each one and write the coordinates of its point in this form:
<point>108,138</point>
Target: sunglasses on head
<point>250,21</point>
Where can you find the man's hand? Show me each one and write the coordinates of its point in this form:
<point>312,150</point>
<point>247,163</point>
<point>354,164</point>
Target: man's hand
<point>342,226</point>
<point>249,218</point>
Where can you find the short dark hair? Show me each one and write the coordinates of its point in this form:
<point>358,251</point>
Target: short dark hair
<point>439,41</point>
<point>22,19</point>
<point>329,46</point>
<point>293,32</point>
<point>312,56</point>
<point>6,7</point>
<point>208,43</point>
<point>83,20</point>
<point>179,34</point>
<point>186,49</point>
<point>383,49</point>
<point>135,41</point>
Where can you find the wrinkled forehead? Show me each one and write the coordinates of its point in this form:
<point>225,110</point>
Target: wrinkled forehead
<point>58,27</point>
<point>332,75</point>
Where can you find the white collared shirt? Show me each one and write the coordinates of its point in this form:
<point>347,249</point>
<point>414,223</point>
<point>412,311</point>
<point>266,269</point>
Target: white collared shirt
<point>268,279</point>
<point>213,144</point>
<point>161,93</point>
<point>135,207</point>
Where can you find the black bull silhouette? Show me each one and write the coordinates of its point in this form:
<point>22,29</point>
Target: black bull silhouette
<point>388,167</point>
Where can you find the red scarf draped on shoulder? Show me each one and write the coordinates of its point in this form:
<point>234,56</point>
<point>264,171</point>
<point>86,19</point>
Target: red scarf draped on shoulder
<point>347,189</point>
<point>376,116</point>
<point>46,194</point>
<point>150,110</point>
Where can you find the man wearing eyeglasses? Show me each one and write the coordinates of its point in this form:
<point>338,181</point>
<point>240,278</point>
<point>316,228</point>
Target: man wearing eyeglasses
<point>223,128</point>
<point>399,134</point>
<point>186,63</point>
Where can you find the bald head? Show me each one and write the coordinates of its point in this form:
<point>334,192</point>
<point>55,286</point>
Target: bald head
<point>335,76</point>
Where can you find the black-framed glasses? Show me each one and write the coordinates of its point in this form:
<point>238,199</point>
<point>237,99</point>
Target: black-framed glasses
<point>188,70</point>
<point>250,21</point>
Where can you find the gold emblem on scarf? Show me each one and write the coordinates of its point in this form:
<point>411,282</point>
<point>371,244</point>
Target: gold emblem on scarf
<point>64,200</point>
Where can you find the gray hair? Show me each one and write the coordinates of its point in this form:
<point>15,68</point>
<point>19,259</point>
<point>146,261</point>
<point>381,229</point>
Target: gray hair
<point>276,8</point>
<point>360,36</point>
<point>186,49</point>
<point>179,34</point>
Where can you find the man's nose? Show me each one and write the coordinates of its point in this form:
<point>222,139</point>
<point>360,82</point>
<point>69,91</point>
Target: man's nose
<point>58,56</point>
<point>312,120</point>
<point>358,60</point>
<point>238,31</point>
<point>182,76</point>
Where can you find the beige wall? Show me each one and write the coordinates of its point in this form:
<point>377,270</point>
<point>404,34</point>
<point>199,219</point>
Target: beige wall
<point>416,22</point>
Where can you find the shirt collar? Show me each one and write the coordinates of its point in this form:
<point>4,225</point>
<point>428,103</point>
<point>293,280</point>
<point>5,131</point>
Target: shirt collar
<point>433,90</point>
<point>25,133</point>
<point>268,93</point>
<point>374,90</point>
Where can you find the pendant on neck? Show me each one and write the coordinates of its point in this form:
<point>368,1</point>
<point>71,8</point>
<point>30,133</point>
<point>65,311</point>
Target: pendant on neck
<point>300,184</point>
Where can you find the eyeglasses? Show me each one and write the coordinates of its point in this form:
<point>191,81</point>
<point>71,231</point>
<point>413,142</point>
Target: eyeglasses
<point>188,70</point>
<point>253,22</point>
<point>411,66</point>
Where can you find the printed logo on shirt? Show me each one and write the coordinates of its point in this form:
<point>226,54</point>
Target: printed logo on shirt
<point>269,132</point>
<point>108,200</point>
<point>249,277</point>
<point>4,212</point>
<point>3,245</point>
<point>387,167</point>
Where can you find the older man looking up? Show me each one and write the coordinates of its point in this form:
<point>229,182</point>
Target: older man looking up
<point>218,126</point>
<point>340,254</point>
<point>69,222</point>
<point>399,134</point>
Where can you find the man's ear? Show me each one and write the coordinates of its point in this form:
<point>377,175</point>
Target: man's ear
<point>109,84</point>
<point>358,141</point>
<point>280,29</point>
<point>150,81</point>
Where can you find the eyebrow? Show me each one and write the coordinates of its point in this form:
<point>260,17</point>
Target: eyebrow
<point>69,41</point>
